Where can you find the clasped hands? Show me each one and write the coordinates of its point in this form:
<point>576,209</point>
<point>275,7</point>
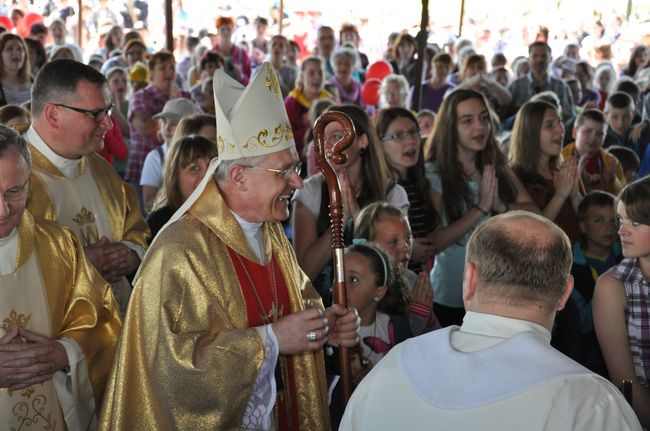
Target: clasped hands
<point>310,329</point>
<point>113,260</point>
<point>23,364</point>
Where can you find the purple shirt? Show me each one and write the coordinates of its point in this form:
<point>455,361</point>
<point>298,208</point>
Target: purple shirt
<point>431,99</point>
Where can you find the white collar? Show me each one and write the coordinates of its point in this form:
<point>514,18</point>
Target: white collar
<point>251,232</point>
<point>499,326</point>
<point>8,251</point>
<point>68,167</point>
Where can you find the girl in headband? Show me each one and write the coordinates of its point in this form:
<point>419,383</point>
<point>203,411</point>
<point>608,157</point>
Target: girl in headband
<point>377,290</point>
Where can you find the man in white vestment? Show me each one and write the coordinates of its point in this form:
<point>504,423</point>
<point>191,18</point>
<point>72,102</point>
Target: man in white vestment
<point>71,184</point>
<point>58,320</point>
<point>497,371</point>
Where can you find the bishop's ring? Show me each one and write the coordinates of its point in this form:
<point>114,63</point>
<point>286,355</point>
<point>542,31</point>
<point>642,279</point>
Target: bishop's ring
<point>311,335</point>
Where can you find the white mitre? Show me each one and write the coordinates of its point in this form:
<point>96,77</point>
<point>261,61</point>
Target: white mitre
<point>251,121</point>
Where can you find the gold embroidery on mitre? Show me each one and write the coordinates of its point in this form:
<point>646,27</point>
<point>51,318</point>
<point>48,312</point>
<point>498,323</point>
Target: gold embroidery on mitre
<point>280,133</point>
<point>224,145</point>
<point>272,82</point>
<point>87,227</point>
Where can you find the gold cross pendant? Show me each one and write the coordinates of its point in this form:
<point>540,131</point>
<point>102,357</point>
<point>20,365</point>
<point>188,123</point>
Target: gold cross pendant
<point>274,313</point>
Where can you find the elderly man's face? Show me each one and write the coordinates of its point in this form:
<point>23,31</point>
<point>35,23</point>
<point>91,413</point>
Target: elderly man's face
<point>268,191</point>
<point>14,189</point>
<point>85,134</point>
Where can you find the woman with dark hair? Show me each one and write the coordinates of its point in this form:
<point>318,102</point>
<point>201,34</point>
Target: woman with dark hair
<point>471,180</point>
<point>585,74</point>
<point>15,78</point>
<point>185,165</point>
<point>621,303</point>
<point>639,60</point>
<point>535,158</point>
<point>399,134</point>
<point>112,41</point>
<point>403,53</point>
<point>36,54</point>
<point>364,178</point>
<point>16,117</point>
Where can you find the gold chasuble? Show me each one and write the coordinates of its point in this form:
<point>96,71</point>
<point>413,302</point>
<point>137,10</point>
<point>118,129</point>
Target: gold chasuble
<point>55,292</point>
<point>95,203</point>
<point>188,356</point>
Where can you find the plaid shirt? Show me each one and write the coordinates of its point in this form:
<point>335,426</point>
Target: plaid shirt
<point>149,102</point>
<point>522,89</point>
<point>637,291</point>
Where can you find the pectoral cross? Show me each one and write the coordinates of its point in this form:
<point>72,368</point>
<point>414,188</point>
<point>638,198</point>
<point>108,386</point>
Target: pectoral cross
<point>274,313</point>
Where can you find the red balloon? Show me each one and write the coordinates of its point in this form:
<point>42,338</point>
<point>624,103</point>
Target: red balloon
<point>379,70</point>
<point>370,91</point>
<point>30,19</point>
<point>5,21</point>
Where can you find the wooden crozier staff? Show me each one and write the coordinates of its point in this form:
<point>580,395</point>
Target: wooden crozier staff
<point>336,217</point>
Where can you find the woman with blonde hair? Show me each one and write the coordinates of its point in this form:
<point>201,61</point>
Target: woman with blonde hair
<point>393,92</point>
<point>345,60</point>
<point>535,158</point>
<point>185,165</point>
<point>309,88</point>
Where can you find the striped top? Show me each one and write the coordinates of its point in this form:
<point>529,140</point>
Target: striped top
<point>637,291</point>
<point>417,217</point>
<point>416,214</point>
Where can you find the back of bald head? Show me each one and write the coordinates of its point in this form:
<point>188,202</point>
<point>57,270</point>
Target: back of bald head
<point>521,258</point>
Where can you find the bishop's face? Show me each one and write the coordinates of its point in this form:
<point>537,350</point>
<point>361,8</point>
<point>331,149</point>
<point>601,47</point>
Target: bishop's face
<point>14,189</point>
<point>270,192</point>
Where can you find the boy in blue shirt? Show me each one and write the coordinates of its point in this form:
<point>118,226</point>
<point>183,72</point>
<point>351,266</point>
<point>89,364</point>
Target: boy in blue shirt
<point>596,252</point>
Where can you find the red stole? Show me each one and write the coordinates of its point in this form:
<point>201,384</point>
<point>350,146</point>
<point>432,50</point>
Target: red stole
<point>261,306</point>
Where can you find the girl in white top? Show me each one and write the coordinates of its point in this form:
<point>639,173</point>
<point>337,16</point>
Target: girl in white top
<point>363,178</point>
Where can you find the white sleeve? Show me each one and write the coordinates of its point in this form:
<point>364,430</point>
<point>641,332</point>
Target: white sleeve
<point>310,194</point>
<point>151,170</point>
<point>259,409</point>
<point>398,197</point>
<point>74,389</point>
<point>135,247</point>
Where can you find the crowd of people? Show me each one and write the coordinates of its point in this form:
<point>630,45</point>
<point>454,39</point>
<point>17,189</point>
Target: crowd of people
<point>165,235</point>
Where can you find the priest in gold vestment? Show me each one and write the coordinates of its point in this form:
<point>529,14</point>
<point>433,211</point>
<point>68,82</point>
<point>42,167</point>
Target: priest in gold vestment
<point>73,185</point>
<point>224,330</point>
<point>58,320</point>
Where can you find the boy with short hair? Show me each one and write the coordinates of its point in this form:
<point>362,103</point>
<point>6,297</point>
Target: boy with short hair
<point>619,111</point>
<point>596,252</point>
<point>598,169</point>
<point>629,160</point>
